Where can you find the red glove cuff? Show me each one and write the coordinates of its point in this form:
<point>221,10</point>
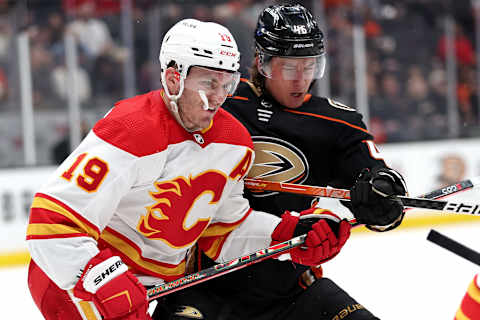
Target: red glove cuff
<point>285,229</point>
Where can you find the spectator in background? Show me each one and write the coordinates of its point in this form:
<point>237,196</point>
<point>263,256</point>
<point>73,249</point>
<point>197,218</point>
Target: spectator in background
<point>3,86</point>
<point>420,103</point>
<point>105,55</point>
<point>56,27</point>
<point>467,98</point>
<point>395,111</point>
<point>377,125</point>
<point>61,149</point>
<point>438,85</point>
<point>93,33</point>
<point>340,37</point>
<point>463,47</point>
<point>5,38</point>
<point>62,87</point>
<point>41,68</point>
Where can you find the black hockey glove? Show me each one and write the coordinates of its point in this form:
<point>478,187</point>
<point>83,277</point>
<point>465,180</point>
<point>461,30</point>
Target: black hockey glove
<point>372,198</point>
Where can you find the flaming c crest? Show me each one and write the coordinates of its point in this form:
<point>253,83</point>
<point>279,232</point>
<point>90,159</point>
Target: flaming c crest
<point>165,220</point>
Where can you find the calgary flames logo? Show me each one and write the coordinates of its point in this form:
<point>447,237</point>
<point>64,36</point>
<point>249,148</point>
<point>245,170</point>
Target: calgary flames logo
<point>166,219</point>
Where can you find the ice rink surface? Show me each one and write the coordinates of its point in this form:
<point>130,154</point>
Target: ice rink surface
<point>397,275</point>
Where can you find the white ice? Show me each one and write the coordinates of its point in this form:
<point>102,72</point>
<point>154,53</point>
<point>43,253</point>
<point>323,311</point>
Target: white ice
<point>397,275</point>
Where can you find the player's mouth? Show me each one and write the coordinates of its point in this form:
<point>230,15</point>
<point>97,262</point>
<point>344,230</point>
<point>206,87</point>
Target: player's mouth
<point>296,94</point>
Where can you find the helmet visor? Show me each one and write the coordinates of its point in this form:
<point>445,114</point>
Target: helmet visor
<point>291,68</point>
<point>212,81</point>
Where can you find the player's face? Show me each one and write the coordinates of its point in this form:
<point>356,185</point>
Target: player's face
<point>291,79</point>
<point>214,86</point>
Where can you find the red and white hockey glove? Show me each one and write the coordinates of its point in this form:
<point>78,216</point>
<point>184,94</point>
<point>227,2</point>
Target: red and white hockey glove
<point>326,235</point>
<point>114,290</point>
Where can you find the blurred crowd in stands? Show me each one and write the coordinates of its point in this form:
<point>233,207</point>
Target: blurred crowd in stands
<point>405,41</point>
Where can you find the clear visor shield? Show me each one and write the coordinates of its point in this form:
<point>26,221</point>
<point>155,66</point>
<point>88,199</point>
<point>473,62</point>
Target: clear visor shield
<point>212,82</point>
<point>291,68</point>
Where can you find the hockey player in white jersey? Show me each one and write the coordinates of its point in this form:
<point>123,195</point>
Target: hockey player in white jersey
<point>159,173</point>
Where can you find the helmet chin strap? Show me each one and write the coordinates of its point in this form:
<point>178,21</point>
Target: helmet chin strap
<point>203,96</point>
<point>173,102</point>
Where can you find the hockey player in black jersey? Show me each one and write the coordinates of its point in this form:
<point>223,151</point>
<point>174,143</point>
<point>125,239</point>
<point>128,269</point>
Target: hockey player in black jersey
<point>305,139</point>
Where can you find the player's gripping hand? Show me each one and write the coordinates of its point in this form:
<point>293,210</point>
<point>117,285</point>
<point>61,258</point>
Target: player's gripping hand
<point>371,198</point>
<point>114,290</point>
<point>326,235</point>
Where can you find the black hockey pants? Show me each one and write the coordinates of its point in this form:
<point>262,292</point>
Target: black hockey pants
<point>267,291</point>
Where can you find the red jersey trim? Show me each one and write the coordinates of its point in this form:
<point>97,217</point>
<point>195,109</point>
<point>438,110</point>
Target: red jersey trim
<point>43,225</point>
<point>222,228</point>
<point>132,256</point>
<point>212,246</point>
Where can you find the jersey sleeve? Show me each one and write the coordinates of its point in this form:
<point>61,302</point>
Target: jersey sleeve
<point>356,150</point>
<point>73,207</point>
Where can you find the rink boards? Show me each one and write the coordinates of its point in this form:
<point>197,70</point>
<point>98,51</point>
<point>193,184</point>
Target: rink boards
<point>426,166</point>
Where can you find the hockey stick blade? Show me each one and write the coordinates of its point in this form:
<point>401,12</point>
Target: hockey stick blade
<point>454,246</point>
<point>223,268</point>
<point>424,203</point>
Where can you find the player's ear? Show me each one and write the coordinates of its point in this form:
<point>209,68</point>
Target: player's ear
<point>172,78</point>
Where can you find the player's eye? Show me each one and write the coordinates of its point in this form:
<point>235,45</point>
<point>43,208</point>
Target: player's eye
<point>207,84</point>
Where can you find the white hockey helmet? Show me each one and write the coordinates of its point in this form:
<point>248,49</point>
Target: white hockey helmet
<point>191,42</point>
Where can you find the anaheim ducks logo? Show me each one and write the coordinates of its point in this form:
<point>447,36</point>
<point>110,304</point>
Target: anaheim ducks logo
<point>166,219</point>
<point>277,160</point>
<point>188,312</point>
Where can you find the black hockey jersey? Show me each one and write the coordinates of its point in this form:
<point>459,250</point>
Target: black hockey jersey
<point>322,143</point>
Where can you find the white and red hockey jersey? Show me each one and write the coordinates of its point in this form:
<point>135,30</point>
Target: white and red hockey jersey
<point>144,187</point>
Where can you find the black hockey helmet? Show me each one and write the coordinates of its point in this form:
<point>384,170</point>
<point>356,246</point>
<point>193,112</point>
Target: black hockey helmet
<point>288,31</point>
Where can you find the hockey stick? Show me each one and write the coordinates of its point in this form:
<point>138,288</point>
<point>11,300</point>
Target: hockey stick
<point>223,268</point>
<point>425,203</point>
<point>454,246</point>
<point>242,262</point>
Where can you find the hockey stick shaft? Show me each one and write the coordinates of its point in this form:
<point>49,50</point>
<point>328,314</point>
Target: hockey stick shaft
<point>425,203</point>
<point>242,262</point>
<point>223,268</point>
<point>454,246</point>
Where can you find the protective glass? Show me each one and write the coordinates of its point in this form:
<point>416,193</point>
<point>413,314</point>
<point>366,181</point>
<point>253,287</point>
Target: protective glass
<point>291,68</point>
<point>212,81</point>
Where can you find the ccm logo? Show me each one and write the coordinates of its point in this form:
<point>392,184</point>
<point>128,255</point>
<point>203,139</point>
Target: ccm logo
<point>228,53</point>
<point>107,272</point>
<point>449,189</point>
